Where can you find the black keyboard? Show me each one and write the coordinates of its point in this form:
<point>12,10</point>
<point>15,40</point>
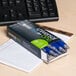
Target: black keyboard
<point>12,11</point>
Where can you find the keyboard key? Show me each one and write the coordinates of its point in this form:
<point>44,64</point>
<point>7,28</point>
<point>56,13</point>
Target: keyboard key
<point>45,14</point>
<point>43,4</point>
<point>11,2</point>
<point>44,8</point>
<point>20,16</point>
<point>50,6</point>
<point>20,2</point>
<point>36,4</point>
<point>6,15</point>
<point>29,3</point>
<point>34,15</point>
<point>52,14</point>
<point>30,9</point>
<point>4,3</point>
<point>37,9</point>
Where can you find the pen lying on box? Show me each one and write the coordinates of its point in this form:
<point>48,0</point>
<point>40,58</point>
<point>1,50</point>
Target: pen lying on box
<point>57,30</point>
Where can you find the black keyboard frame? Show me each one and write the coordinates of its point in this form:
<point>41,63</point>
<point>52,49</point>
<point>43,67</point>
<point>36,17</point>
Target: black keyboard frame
<point>42,19</point>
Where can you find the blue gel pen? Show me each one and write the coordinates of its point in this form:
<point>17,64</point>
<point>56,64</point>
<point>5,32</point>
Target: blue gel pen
<point>62,43</point>
<point>50,51</point>
<point>59,48</point>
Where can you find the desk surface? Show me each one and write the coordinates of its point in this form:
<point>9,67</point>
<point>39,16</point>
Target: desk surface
<point>65,66</point>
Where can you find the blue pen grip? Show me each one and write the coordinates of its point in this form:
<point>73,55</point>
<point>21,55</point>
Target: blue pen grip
<point>62,43</point>
<point>57,47</point>
<point>50,51</point>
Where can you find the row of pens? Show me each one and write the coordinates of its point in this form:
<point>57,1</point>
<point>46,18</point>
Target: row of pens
<point>56,48</point>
